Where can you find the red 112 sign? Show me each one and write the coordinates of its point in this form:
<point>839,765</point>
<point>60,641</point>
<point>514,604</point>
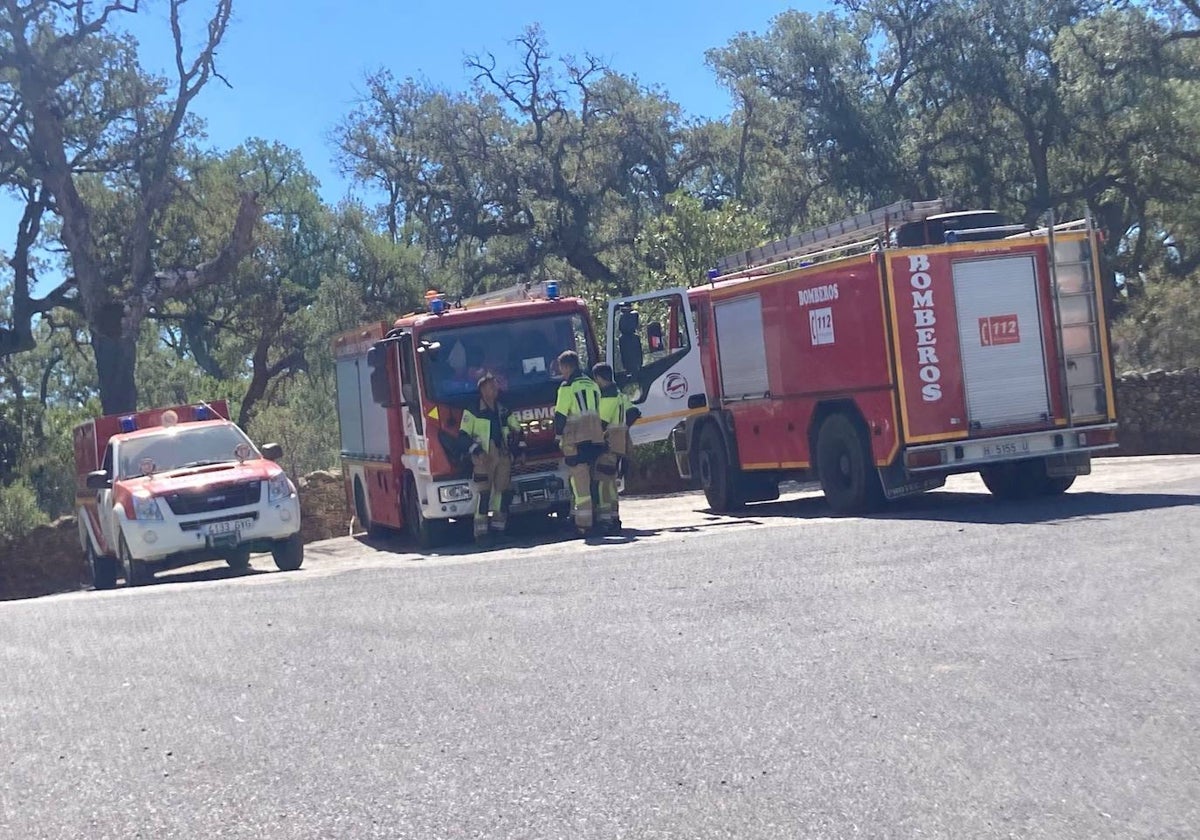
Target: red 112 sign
<point>999,329</point>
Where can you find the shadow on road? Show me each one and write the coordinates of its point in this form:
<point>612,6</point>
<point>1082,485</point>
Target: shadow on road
<point>208,574</point>
<point>531,532</point>
<point>980,508</point>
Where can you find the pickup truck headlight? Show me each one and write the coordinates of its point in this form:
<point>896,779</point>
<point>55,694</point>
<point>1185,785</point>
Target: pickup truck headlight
<point>454,493</point>
<point>278,487</point>
<point>146,507</point>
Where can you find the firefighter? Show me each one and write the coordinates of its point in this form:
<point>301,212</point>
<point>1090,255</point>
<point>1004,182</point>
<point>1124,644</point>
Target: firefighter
<point>495,435</point>
<point>579,433</point>
<point>617,414</point>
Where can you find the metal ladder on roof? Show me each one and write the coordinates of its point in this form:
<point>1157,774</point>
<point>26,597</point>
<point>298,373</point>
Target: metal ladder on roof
<point>1073,281</point>
<point>854,230</point>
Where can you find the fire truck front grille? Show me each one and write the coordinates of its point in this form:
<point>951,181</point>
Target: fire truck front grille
<point>215,498</point>
<point>530,469</point>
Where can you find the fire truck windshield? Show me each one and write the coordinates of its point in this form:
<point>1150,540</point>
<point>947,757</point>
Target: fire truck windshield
<point>182,448</point>
<point>522,355</point>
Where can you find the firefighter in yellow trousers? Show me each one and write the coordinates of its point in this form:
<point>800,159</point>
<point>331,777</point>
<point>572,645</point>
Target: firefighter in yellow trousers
<point>579,432</point>
<point>495,434</point>
<point>617,414</point>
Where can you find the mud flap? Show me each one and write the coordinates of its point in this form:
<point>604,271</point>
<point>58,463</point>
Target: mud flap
<point>898,482</point>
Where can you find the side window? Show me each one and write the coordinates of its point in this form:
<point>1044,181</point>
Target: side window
<point>580,330</point>
<point>651,335</point>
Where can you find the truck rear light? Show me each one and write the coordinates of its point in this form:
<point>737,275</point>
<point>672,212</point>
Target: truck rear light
<point>924,458</point>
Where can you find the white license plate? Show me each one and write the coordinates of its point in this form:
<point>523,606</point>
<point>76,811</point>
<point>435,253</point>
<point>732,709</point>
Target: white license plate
<point>230,526</point>
<point>1009,448</point>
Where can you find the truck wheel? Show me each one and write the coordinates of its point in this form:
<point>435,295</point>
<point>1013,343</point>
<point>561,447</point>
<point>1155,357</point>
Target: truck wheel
<point>288,553</point>
<point>1017,480</point>
<point>848,478</point>
<point>1057,485</point>
<point>717,476</point>
<point>135,571</point>
<point>239,560</point>
<point>426,533</point>
<point>363,512</point>
<point>103,569</point>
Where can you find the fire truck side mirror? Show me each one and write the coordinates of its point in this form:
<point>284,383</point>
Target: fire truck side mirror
<point>272,451</point>
<point>98,480</point>
<point>381,391</point>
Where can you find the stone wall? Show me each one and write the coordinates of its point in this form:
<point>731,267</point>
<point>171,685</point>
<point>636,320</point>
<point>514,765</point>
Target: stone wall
<point>1159,412</point>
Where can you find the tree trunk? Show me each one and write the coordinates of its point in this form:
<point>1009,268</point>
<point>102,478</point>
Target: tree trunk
<point>115,361</point>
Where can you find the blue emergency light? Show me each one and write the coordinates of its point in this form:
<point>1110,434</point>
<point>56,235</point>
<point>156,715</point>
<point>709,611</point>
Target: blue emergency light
<point>437,306</point>
<point>713,274</point>
<point>128,424</point>
<point>552,290</point>
<point>201,412</point>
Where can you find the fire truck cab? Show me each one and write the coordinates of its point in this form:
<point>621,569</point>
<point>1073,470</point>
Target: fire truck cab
<point>169,487</point>
<point>402,389</point>
<point>877,356</point>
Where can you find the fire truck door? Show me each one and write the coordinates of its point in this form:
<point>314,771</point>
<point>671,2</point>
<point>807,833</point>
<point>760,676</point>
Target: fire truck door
<point>104,504</point>
<point>654,353</point>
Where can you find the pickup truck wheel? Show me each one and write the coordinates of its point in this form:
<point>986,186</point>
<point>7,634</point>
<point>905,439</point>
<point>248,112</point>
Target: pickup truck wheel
<point>426,533</point>
<point>717,477</point>
<point>135,571</point>
<point>848,477</point>
<point>239,560</point>
<point>103,569</point>
<point>288,553</point>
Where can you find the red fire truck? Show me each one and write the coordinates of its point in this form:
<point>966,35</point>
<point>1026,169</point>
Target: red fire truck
<point>402,388</point>
<point>169,487</point>
<point>877,356</point>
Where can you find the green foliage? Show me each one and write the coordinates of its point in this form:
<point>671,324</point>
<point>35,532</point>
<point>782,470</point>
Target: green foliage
<point>1162,327</point>
<point>19,511</point>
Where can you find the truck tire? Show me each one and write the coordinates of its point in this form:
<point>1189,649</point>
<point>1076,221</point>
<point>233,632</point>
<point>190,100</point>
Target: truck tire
<point>102,568</point>
<point>718,478</point>
<point>1017,480</point>
<point>288,553</point>
<point>426,533</point>
<point>364,513</point>
<point>848,477</point>
<point>135,571</point>
<point>1057,485</point>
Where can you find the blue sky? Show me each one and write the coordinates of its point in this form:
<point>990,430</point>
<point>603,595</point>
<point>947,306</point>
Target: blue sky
<point>297,67</point>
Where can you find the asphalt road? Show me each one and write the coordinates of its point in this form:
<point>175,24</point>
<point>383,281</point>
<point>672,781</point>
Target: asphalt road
<point>954,668</point>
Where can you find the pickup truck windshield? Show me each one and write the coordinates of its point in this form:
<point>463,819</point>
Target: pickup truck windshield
<point>181,448</point>
<point>522,355</point>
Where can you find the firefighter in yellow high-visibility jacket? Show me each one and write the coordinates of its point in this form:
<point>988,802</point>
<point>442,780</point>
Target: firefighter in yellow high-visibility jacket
<point>579,432</point>
<point>495,435</point>
<point>617,414</point>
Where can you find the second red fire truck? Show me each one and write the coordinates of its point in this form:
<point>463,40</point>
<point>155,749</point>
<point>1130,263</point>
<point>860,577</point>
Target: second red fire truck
<point>402,389</point>
<point>878,356</point>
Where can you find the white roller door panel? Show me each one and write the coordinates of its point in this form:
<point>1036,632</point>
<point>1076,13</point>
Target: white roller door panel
<point>743,349</point>
<point>349,406</point>
<point>1000,338</point>
<point>375,430</point>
